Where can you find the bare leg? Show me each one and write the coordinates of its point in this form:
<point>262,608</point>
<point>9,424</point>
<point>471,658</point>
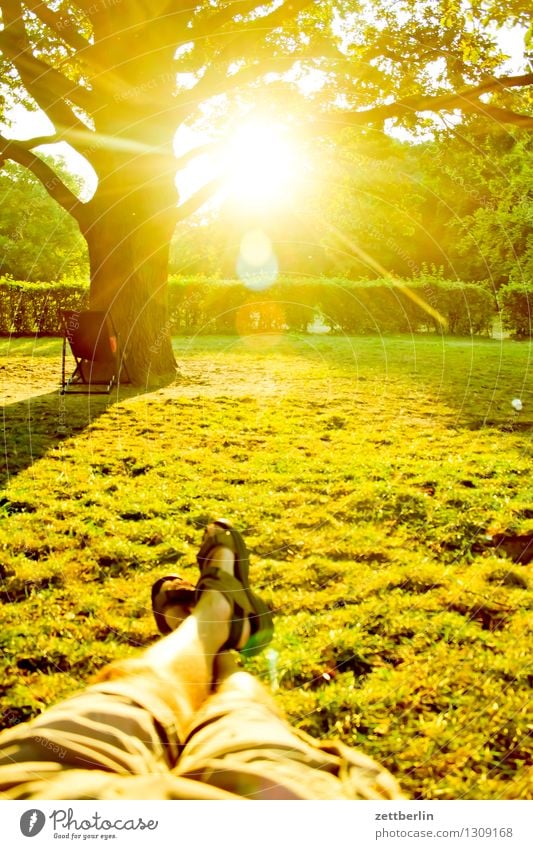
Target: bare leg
<point>185,658</point>
<point>230,677</point>
<point>142,730</point>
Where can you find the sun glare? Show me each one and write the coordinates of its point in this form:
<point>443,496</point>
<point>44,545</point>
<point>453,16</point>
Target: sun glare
<point>261,165</point>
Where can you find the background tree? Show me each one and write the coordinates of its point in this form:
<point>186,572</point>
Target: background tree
<point>496,238</point>
<point>117,80</point>
<point>38,239</point>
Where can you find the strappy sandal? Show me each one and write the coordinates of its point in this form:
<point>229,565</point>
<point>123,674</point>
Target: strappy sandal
<point>244,603</point>
<point>166,592</point>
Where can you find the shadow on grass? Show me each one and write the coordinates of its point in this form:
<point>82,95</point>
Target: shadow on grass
<point>478,379</point>
<point>36,418</point>
<point>31,427</point>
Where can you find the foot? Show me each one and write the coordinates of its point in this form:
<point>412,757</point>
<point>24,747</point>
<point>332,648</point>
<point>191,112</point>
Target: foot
<point>173,598</point>
<point>175,614</point>
<point>221,557</point>
<point>172,602</point>
<point>224,566</point>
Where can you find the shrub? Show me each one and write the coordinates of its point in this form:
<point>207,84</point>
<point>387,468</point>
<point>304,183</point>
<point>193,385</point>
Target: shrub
<point>33,308</point>
<point>468,308</point>
<point>206,305</point>
<point>516,303</point>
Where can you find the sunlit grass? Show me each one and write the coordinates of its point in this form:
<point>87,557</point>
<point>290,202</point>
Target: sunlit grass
<point>370,476</point>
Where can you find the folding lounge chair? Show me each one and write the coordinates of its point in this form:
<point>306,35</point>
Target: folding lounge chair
<point>95,346</point>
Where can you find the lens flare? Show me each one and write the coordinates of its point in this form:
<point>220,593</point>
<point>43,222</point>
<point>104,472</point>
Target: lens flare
<point>257,265</point>
<point>256,248</point>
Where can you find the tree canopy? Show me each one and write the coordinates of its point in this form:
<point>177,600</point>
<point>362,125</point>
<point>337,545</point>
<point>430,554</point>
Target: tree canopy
<point>116,80</point>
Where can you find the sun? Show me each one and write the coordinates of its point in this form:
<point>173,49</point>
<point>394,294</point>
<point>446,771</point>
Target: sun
<point>261,165</point>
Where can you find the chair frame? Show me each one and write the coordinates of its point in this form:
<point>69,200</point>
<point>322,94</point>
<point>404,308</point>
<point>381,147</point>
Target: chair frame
<point>106,330</point>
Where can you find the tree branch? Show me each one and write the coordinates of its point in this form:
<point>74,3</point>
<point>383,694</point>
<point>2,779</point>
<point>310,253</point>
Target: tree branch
<point>189,155</point>
<point>502,116</point>
<point>30,144</point>
<point>53,184</point>
<point>244,40</point>
<point>35,72</point>
<point>42,82</point>
<point>214,23</point>
<point>62,26</point>
<point>466,101</point>
<point>503,82</point>
<point>85,142</point>
<point>217,82</point>
<point>259,25</point>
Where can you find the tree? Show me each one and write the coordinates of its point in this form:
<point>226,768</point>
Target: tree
<point>117,80</point>
<point>38,240</point>
<point>479,181</point>
<point>375,210</point>
<point>497,237</point>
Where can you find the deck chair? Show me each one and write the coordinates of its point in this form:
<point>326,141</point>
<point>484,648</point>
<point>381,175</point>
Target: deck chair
<point>95,346</point>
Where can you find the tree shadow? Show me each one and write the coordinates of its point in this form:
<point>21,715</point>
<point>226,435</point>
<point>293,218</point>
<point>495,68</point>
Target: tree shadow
<point>477,379</point>
<point>35,422</point>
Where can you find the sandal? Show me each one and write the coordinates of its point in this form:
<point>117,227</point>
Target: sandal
<point>244,603</point>
<point>168,591</point>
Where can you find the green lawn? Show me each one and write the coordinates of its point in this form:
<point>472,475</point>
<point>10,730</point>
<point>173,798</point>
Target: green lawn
<point>384,485</point>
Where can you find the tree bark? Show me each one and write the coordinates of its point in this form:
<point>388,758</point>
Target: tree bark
<point>129,228</point>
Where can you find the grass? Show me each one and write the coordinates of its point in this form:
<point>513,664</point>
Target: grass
<point>384,489</point>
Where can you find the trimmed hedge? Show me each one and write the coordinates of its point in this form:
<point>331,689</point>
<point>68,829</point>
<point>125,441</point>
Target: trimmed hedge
<point>206,305</point>
<point>32,308</point>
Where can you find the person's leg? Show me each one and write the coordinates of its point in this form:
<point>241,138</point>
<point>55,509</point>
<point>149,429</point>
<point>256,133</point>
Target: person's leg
<point>134,719</point>
<point>231,678</point>
<point>241,743</point>
<point>185,658</point>
<point>227,612</point>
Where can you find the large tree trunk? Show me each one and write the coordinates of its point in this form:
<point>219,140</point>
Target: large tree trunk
<point>132,220</point>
